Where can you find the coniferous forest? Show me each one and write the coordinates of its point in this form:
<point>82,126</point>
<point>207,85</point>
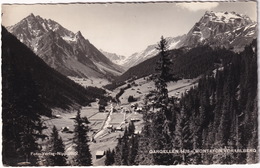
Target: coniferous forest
<point>218,118</point>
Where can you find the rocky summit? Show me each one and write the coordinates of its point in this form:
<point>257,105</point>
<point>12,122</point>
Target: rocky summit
<point>67,52</point>
<point>222,29</point>
<point>217,29</point>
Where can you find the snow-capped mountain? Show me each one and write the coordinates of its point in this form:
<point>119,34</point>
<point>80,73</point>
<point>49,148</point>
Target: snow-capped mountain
<point>217,29</point>
<point>222,29</point>
<point>117,59</point>
<point>151,51</point>
<point>67,52</point>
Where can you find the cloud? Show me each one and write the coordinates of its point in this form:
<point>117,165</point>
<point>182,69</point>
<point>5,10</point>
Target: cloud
<point>196,6</point>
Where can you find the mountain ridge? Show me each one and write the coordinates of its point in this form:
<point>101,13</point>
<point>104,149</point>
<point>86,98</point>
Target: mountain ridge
<point>224,36</point>
<point>222,29</point>
<point>217,29</point>
<point>69,53</point>
<point>150,51</point>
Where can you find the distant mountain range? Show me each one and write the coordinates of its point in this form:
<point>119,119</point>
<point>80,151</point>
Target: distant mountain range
<point>217,29</point>
<point>115,58</point>
<point>73,55</point>
<point>150,51</point>
<point>67,52</point>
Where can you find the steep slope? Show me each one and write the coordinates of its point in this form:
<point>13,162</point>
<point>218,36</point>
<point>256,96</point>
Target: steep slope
<point>217,29</point>
<point>26,75</point>
<point>70,54</point>
<point>186,63</point>
<point>222,29</point>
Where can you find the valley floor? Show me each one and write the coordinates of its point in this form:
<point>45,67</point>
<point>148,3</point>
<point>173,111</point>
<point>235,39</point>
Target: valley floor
<point>106,127</point>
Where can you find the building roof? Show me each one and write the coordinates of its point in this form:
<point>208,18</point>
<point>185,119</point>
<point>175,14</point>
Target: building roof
<point>100,153</point>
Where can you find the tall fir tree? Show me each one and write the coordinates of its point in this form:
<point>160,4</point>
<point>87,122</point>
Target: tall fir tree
<point>183,138</point>
<point>163,70</point>
<point>58,148</point>
<point>118,152</point>
<point>133,149</point>
<point>83,157</point>
<point>143,156</point>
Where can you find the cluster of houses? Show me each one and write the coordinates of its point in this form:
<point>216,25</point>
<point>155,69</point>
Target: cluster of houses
<point>115,129</point>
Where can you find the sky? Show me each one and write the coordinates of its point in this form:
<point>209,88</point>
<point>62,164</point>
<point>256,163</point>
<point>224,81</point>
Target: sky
<point>125,28</point>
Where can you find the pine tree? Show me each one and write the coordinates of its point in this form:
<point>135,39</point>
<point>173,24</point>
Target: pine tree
<point>57,147</point>
<point>183,139</point>
<point>83,157</point>
<point>133,149</point>
<point>163,72</point>
<point>109,157</point>
<point>125,148</point>
<point>161,139</point>
<point>118,152</point>
<point>131,128</point>
<point>144,146</point>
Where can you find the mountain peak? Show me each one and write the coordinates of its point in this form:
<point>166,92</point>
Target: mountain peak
<point>225,17</point>
<point>79,35</point>
<point>39,17</point>
<point>222,29</point>
<point>69,53</point>
<point>31,15</point>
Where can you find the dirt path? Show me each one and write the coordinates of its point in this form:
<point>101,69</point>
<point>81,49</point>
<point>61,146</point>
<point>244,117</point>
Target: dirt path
<point>105,123</point>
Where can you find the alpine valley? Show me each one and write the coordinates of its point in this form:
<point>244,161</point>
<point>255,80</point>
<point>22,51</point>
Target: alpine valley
<point>190,99</point>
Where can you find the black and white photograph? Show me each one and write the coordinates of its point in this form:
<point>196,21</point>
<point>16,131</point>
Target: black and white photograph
<point>129,83</point>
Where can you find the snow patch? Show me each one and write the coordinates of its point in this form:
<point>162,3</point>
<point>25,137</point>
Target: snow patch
<point>151,52</point>
<point>250,33</point>
<point>226,17</point>
<point>44,26</point>
<point>250,26</point>
<point>174,44</point>
<point>68,38</point>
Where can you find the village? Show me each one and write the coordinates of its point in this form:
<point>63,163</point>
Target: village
<point>106,126</point>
